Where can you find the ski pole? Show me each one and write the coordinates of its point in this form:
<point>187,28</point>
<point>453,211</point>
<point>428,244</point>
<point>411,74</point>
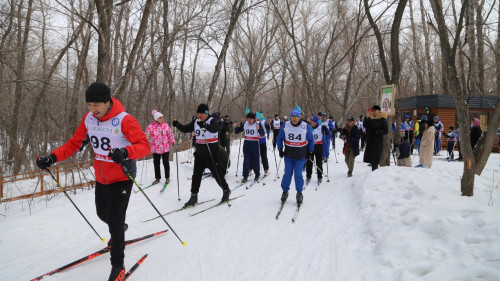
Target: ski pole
<point>238,164</point>
<point>213,162</point>
<point>278,170</point>
<point>275,161</point>
<point>177,164</point>
<point>316,166</point>
<point>153,205</point>
<point>67,196</point>
<point>229,154</point>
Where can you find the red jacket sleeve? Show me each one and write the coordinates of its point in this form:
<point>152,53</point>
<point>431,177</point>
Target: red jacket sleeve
<point>74,143</point>
<point>139,147</point>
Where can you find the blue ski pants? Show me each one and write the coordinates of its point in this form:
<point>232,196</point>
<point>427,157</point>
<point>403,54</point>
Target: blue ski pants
<point>326,146</point>
<point>293,167</point>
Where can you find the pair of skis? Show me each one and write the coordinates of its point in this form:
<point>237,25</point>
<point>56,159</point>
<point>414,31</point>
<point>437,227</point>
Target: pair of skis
<point>295,215</point>
<point>307,184</point>
<point>144,188</point>
<point>102,252</point>
<point>180,209</point>
<point>216,205</point>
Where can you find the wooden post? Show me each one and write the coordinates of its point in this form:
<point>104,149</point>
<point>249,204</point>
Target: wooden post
<point>41,183</point>
<point>1,189</point>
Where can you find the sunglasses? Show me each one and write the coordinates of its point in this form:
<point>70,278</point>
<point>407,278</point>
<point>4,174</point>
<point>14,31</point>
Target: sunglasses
<point>295,117</point>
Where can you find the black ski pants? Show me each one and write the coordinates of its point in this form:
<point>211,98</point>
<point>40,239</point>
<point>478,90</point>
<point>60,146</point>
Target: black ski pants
<point>166,165</point>
<point>200,164</point>
<point>111,202</point>
<point>318,155</point>
<point>275,137</point>
<point>263,156</point>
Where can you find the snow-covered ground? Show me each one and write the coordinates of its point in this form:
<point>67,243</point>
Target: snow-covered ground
<point>392,224</point>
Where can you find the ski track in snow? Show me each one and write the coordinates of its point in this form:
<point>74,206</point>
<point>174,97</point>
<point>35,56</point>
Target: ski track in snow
<point>390,224</point>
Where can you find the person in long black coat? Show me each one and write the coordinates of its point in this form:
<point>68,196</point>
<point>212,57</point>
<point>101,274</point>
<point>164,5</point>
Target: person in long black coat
<point>376,128</point>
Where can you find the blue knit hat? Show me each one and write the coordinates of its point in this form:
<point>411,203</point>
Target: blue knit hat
<point>315,119</point>
<point>295,113</point>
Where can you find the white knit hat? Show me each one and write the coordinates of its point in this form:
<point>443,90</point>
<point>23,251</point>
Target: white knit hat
<point>156,114</point>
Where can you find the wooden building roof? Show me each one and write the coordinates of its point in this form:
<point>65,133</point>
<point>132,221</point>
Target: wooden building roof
<point>445,101</point>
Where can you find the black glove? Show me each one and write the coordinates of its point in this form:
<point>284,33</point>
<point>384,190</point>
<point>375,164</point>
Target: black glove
<point>281,152</point>
<point>118,155</point>
<point>45,162</point>
<point>201,124</point>
<point>175,123</point>
<point>324,130</point>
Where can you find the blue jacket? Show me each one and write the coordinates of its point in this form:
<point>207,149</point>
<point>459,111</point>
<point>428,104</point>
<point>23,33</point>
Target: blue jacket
<point>249,146</point>
<point>296,152</point>
<point>352,136</point>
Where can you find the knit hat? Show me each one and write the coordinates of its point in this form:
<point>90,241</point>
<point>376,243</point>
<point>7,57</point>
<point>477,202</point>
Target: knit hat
<point>251,115</point>
<point>295,113</point>
<point>350,118</point>
<point>285,117</point>
<point>315,119</point>
<point>98,92</point>
<point>323,114</point>
<point>202,108</point>
<point>319,114</point>
<point>156,114</point>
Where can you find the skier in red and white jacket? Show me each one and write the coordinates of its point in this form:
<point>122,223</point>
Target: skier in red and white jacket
<point>117,139</point>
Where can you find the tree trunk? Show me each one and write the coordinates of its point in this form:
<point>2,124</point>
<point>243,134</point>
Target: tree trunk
<point>105,14</point>
<point>236,11</point>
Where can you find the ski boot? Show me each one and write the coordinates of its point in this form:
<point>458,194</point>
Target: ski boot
<point>117,273</point>
<point>284,196</point>
<point>300,198</point>
<point>192,200</point>
<point>225,196</point>
<point>156,181</point>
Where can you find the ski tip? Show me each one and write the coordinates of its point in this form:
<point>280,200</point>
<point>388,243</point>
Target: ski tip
<point>184,243</point>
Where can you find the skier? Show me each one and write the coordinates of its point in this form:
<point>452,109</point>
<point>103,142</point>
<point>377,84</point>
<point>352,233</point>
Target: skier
<point>161,140</point>
<point>317,132</point>
<point>327,135</point>
<point>334,130</point>
<point>350,134</point>
<point>362,130</point>
<point>262,142</point>
<point>298,140</point>
<point>206,155</point>
<point>117,139</point>
<point>253,132</point>
<point>276,129</point>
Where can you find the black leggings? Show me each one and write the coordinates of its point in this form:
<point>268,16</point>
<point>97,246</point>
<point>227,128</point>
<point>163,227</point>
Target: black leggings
<point>166,165</point>
<point>111,202</point>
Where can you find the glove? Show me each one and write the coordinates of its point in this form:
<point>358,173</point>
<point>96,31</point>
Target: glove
<point>45,162</point>
<point>201,124</point>
<point>281,153</point>
<point>175,123</point>
<point>118,155</point>
<point>324,130</point>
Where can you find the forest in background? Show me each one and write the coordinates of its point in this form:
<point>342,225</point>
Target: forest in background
<point>268,55</point>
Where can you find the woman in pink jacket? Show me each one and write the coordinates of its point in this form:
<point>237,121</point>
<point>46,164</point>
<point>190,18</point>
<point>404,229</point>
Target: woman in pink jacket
<point>160,139</point>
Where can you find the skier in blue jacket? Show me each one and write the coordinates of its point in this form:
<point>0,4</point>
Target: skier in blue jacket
<point>297,140</point>
<point>253,132</point>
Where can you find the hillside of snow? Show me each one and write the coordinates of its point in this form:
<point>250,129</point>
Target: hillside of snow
<point>394,223</point>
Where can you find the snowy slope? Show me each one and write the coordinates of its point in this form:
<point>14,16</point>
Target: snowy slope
<point>392,224</point>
